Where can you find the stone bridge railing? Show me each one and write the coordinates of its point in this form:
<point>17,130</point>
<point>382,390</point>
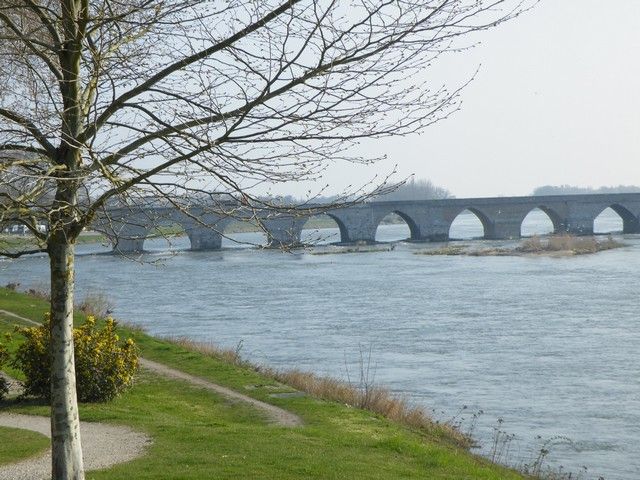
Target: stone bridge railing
<point>428,220</point>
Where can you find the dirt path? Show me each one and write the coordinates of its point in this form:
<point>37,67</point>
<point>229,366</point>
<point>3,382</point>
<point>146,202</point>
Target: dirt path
<point>24,319</point>
<point>277,415</point>
<point>103,446</point>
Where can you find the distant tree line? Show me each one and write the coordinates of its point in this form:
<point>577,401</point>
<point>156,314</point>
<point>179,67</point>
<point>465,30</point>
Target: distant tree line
<point>413,189</point>
<point>573,190</point>
<point>420,189</point>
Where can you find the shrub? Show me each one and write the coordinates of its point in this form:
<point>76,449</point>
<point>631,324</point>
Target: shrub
<point>4,385</point>
<point>95,304</point>
<point>105,366</point>
<point>12,286</point>
<point>532,245</point>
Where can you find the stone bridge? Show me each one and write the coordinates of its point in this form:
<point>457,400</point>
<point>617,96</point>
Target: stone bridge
<point>428,220</point>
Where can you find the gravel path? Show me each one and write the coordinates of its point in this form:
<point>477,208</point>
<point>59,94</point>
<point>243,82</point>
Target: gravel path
<point>103,446</point>
<point>277,415</point>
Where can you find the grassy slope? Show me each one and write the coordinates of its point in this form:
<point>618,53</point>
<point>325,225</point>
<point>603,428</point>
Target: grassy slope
<point>198,435</point>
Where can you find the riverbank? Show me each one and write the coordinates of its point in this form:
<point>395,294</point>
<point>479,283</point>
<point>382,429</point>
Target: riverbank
<point>208,436</point>
<point>12,243</point>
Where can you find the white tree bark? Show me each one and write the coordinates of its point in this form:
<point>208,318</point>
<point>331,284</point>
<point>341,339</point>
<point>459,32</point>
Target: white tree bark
<point>67,463</point>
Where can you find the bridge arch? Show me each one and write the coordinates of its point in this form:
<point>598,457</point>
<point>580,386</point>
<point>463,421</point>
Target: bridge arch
<point>239,233</point>
<point>321,228</point>
<point>165,234</point>
<point>464,226</point>
<point>540,220</point>
<point>344,231</point>
<point>616,218</point>
<point>411,227</point>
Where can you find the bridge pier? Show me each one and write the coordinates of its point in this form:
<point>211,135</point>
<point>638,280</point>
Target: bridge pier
<point>504,222</point>
<point>426,223</point>
<point>357,224</point>
<point>579,219</point>
<point>204,238</point>
<point>503,230</point>
<point>631,225</point>
<point>127,239</point>
<point>433,231</point>
<point>129,245</point>
<point>284,231</point>
<point>206,232</point>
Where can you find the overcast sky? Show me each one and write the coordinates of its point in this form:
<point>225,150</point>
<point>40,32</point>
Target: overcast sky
<point>556,101</point>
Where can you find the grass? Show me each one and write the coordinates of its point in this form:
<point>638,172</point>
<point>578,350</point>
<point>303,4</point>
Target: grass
<point>197,434</point>
<point>15,242</point>
<point>17,444</point>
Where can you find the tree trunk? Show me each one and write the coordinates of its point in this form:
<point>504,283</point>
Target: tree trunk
<point>67,463</point>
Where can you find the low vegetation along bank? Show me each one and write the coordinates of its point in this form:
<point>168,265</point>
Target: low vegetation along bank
<point>198,434</point>
<point>553,246</point>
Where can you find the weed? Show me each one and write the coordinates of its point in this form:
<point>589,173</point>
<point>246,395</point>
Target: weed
<point>12,286</point>
<point>500,444</point>
<point>96,304</point>
<point>228,355</point>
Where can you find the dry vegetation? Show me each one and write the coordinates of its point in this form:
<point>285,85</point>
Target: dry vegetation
<point>364,394</point>
<point>373,398</point>
<point>555,245</point>
<point>446,250</point>
<point>210,349</point>
<point>95,304</point>
<point>358,248</point>
<point>567,243</point>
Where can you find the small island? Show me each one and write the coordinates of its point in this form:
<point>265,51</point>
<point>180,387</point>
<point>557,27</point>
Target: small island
<point>552,246</point>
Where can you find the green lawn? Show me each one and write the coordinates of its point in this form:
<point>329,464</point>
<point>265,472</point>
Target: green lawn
<point>197,434</point>
<point>16,444</point>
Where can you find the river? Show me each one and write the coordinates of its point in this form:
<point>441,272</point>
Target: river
<point>547,345</point>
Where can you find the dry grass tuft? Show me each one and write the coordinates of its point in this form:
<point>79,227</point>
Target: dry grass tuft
<point>39,293</point>
<point>210,349</point>
<point>366,396</point>
<point>567,243</point>
<point>369,397</point>
<point>449,250</point>
<point>96,304</point>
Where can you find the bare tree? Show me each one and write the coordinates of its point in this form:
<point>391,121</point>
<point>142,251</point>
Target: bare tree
<point>420,189</point>
<point>122,99</point>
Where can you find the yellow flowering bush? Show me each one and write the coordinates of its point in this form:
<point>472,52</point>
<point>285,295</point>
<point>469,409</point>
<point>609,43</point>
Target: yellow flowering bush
<point>105,366</point>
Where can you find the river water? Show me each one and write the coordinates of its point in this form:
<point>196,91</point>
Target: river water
<point>547,345</point>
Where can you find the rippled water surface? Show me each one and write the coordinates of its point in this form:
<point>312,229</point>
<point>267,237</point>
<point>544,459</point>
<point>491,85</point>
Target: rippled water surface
<point>550,345</point>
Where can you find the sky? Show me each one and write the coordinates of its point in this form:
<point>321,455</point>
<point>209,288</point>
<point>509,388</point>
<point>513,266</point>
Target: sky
<point>556,101</point>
